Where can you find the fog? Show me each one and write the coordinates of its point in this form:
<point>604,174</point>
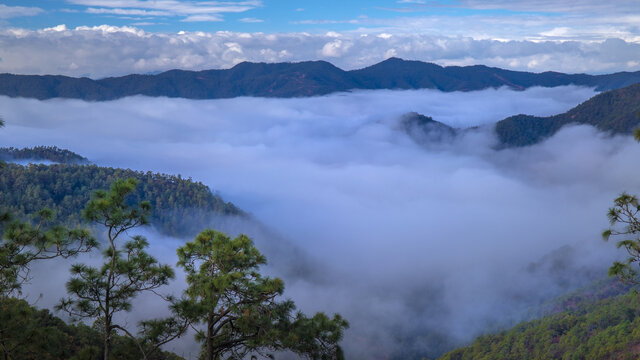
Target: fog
<point>420,246</point>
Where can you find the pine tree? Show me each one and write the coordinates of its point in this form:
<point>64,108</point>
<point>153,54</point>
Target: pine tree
<point>128,270</point>
<point>239,309</point>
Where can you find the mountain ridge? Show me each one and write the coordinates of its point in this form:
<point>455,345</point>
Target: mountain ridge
<point>615,111</point>
<point>297,79</point>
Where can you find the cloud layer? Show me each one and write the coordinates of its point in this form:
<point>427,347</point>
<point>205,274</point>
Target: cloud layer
<point>105,50</point>
<point>417,246</point>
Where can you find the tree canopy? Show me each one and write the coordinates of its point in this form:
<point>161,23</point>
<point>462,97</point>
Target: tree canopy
<point>236,311</point>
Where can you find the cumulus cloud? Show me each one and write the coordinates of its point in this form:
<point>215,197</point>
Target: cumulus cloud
<point>101,51</point>
<point>416,245</point>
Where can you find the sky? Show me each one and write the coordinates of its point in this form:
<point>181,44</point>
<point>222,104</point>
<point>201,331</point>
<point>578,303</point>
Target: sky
<point>99,38</point>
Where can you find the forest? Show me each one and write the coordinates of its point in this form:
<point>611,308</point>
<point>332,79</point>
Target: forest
<point>47,213</point>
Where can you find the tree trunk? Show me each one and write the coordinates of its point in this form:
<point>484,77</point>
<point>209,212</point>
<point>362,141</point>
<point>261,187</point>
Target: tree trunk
<point>107,338</point>
<point>210,337</point>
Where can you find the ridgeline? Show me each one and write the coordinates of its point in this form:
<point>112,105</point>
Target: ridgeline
<point>288,80</point>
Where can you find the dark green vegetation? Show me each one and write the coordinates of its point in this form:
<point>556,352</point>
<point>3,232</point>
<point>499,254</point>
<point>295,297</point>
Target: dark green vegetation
<point>42,153</point>
<point>238,308</point>
<point>586,325</point>
<point>296,80</point>
<point>178,205</point>
<point>29,333</point>
<point>22,243</point>
<point>614,111</point>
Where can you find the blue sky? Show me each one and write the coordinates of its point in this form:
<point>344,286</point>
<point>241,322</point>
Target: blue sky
<point>113,37</point>
<point>254,15</point>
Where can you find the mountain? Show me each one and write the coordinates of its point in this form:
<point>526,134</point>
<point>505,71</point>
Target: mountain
<point>424,130</point>
<point>287,80</point>
<point>615,111</point>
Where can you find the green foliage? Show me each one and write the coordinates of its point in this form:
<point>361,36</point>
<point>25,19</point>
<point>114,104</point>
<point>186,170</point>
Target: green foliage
<point>606,329</point>
<point>238,308</point>
<point>179,206</point>
<point>28,333</point>
<point>625,225</point>
<point>22,243</point>
<point>127,269</point>
<point>49,153</point>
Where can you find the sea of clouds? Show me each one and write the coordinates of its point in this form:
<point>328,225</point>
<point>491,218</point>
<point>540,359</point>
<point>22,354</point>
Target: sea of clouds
<point>420,247</point>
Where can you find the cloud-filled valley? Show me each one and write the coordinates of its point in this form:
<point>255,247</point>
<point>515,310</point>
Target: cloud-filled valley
<point>411,242</point>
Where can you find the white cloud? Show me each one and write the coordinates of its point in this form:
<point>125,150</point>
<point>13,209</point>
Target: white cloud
<point>7,12</point>
<point>105,50</point>
<point>137,12</point>
<point>193,11</point>
<point>251,20</point>
<point>202,18</point>
<point>61,27</point>
<point>335,48</point>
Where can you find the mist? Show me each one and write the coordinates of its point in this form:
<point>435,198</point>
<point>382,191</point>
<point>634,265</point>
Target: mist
<point>420,246</point>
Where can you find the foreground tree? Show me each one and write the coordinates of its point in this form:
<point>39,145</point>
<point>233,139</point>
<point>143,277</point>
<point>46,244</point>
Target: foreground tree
<point>238,307</point>
<point>128,269</point>
<point>625,224</point>
<point>22,243</point>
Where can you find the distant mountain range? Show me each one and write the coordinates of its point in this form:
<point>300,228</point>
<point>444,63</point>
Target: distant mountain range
<point>286,80</point>
<point>615,111</point>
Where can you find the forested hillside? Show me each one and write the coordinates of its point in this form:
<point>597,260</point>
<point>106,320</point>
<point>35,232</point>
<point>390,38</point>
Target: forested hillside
<point>42,153</point>
<point>615,111</point>
<point>602,322</point>
<point>30,333</point>
<point>177,203</point>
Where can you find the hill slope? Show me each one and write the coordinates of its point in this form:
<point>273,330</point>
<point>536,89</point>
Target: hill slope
<point>29,333</point>
<point>286,80</point>
<point>602,329</point>
<point>615,111</point>
<point>178,205</point>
